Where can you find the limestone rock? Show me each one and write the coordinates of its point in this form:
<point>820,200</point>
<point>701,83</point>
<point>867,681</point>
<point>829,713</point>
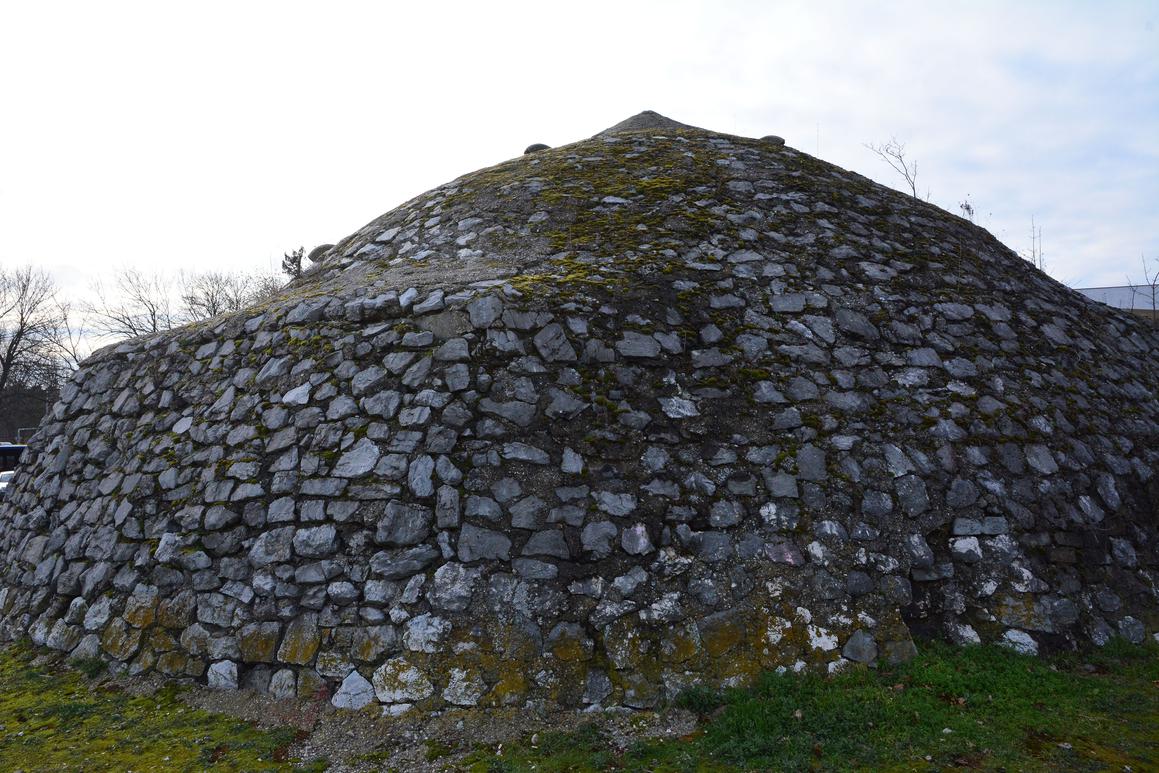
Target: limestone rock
<point>355,692</point>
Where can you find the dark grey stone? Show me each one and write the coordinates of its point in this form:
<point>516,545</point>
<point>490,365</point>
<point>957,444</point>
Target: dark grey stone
<point>860,648</point>
<point>811,464</point>
<point>403,524</point>
<point>552,344</point>
<point>316,541</point>
<point>482,544</point>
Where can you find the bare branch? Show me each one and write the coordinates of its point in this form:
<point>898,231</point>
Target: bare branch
<point>893,153</point>
<point>212,293</point>
<point>143,304</point>
<point>31,366</point>
<point>1148,288</point>
<point>140,304</point>
<point>967,208</point>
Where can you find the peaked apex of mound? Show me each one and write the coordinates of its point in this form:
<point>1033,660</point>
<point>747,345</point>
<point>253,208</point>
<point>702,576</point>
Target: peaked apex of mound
<point>648,119</point>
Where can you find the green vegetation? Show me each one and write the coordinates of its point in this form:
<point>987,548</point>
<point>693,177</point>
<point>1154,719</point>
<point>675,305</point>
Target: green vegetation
<point>51,718</point>
<point>981,708</point>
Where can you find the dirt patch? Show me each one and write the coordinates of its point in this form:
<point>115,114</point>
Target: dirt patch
<point>355,741</point>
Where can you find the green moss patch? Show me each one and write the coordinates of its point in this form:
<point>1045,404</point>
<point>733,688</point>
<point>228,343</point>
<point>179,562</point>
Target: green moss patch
<point>52,718</point>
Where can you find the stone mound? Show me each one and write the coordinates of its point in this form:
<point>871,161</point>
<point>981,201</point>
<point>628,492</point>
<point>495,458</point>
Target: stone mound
<point>658,408</point>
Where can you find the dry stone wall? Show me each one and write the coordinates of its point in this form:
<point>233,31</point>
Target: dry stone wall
<point>659,408</point>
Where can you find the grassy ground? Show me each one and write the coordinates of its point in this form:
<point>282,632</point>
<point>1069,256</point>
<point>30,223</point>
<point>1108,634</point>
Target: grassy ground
<point>981,708</point>
<point>53,718</point>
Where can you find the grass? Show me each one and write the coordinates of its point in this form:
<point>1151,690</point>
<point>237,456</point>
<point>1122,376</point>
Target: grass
<point>983,708</point>
<point>52,718</point>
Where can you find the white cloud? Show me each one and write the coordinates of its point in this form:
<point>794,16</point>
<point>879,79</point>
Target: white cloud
<point>218,135</point>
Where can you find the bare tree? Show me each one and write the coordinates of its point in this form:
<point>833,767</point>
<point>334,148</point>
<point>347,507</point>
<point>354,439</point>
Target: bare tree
<point>139,304</point>
<point>893,153</point>
<point>31,363</point>
<point>211,293</point>
<point>71,340</point>
<point>142,304</point>
<point>1148,289</point>
<point>265,287</point>
<point>1035,254</point>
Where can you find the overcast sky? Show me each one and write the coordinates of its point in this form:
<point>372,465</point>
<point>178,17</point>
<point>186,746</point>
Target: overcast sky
<point>220,134</point>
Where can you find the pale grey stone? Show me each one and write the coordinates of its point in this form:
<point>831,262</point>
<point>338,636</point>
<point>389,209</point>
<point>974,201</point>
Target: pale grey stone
<point>522,452</point>
<point>962,493</point>
<point>811,463</point>
<point>359,460</point>
<point>856,323</point>
<point>398,681</point>
<point>299,395</point>
<point>788,303</point>
<point>635,540</point>
<point>483,507</point>
<point>1040,458</point>
<point>447,508</point>
<point>527,513</point>
<point>1019,641</point>
<point>367,381</point>
<point>725,513</point>
<point>484,311</point>
<point>912,495</point>
<point>678,407</point>
<point>452,587</point>
<point>354,693</point>
<point>454,350</point>
<point>222,675</point>
<point>966,549</point>
<point>433,302</point>
<point>425,633</point>
<point>876,505</point>
<point>766,392</point>
<point>920,554</point>
<point>273,546</point>
<point>420,476</point>
<point>464,688</point>
<point>573,463</point>
<point>283,684</point>
<point>515,411</point>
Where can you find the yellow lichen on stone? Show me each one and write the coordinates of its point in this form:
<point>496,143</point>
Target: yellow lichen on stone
<point>141,610</point>
<point>258,643</point>
<point>681,643</point>
<point>301,641</point>
<point>120,639</point>
<point>398,680</point>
